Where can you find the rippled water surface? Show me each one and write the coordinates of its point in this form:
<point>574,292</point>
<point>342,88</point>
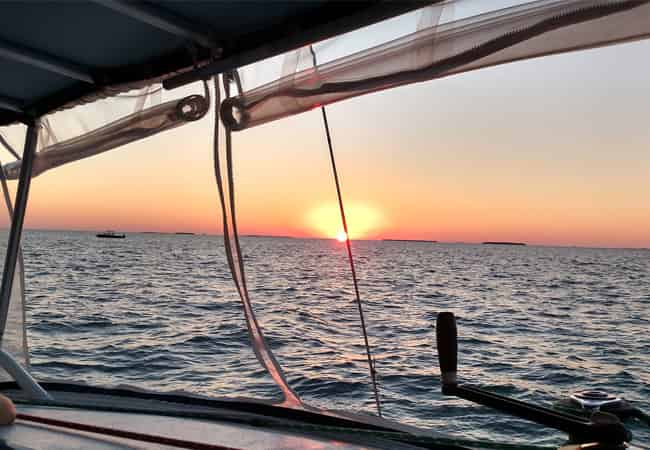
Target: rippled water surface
<point>160,311</point>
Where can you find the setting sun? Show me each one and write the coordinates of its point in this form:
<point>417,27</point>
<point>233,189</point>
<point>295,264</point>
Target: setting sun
<point>364,221</point>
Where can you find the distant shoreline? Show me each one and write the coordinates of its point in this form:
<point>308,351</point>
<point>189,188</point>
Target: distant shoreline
<point>269,236</point>
<point>410,240</point>
<point>361,240</point>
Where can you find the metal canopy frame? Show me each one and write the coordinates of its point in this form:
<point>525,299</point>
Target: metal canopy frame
<point>10,104</point>
<point>329,19</point>
<point>7,362</point>
<point>9,148</point>
<point>17,221</point>
<point>163,20</point>
<point>43,61</point>
<point>299,36</point>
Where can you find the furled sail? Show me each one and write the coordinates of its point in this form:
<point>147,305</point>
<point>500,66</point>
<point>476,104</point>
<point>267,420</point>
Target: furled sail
<point>133,127</point>
<point>520,32</point>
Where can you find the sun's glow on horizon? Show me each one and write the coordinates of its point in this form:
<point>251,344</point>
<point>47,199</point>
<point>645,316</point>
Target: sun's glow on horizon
<point>364,221</point>
<point>475,176</point>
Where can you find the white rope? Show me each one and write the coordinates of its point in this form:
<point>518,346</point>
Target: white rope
<point>348,245</point>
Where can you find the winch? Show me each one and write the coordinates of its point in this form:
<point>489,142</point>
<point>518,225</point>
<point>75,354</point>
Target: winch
<point>587,402</point>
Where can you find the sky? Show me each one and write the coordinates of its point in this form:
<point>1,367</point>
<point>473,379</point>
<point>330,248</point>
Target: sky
<point>552,151</point>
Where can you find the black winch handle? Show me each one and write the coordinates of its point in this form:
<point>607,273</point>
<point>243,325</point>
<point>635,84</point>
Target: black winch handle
<point>602,427</point>
<point>447,339</point>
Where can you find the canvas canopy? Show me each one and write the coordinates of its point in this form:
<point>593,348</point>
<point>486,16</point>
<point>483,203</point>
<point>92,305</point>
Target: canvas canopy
<point>57,54</point>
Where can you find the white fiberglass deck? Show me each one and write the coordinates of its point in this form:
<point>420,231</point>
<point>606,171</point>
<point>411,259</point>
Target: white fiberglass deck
<point>27,435</point>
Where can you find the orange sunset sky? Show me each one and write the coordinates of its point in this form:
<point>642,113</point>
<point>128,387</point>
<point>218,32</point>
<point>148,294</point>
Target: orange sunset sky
<point>552,151</point>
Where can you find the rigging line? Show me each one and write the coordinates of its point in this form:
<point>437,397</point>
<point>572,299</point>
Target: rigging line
<point>220,185</point>
<point>5,191</point>
<point>260,346</point>
<point>227,78</point>
<point>235,261</point>
<point>9,148</point>
<point>348,245</point>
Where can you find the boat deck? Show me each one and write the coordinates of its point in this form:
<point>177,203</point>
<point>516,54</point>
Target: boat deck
<point>207,425</point>
<point>27,435</point>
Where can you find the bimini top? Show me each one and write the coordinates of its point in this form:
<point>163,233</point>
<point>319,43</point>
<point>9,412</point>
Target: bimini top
<point>57,54</point>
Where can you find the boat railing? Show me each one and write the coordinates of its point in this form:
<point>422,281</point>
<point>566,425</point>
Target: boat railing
<point>24,380</point>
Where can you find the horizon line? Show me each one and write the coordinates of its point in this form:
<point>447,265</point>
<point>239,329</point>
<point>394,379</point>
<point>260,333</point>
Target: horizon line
<point>380,239</point>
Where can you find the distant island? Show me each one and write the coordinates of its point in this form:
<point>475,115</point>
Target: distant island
<point>409,240</point>
<point>503,243</point>
<point>267,236</point>
<point>185,233</point>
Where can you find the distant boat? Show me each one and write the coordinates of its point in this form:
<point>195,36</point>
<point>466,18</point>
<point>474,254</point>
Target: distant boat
<point>111,235</point>
<point>503,243</point>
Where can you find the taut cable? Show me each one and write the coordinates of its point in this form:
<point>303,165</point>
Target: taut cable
<point>348,245</point>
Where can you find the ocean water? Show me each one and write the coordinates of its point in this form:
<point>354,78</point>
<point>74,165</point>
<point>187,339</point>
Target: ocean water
<point>159,311</point>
